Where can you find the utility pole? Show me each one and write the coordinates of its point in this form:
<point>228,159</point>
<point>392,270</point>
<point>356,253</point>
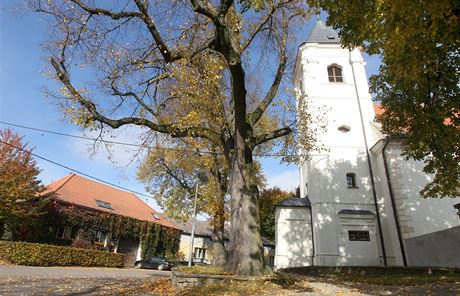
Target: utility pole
<point>192,235</point>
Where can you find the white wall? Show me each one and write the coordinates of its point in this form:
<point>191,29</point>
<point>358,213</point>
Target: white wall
<point>417,216</point>
<point>332,247</point>
<point>293,237</point>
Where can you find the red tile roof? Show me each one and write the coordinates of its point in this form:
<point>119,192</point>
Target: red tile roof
<point>84,192</point>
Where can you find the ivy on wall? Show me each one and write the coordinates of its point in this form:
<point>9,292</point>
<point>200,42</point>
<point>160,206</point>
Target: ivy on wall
<point>155,239</point>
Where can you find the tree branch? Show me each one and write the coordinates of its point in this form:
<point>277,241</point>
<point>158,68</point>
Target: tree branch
<point>224,7</point>
<point>264,21</point>
<point>117,92</point>
<point>205,9</point>
<point>254,116</point>
<point>257,29</point>
<point>144,16</point>
<point>111,14</point>
<point>162,47</point>
<point>272,135</point>
<point>175,132</point>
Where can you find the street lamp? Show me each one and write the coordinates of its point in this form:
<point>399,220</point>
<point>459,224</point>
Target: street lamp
<point>203,178</point>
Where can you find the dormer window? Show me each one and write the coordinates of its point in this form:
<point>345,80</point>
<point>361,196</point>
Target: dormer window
<point>104,204</point>
<point>335,73</point>
<point>155,216</point>
<point>351,180</point>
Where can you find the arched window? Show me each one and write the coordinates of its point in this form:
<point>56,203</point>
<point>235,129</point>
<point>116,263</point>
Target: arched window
<point>335,73</point>
<point>351,180</point>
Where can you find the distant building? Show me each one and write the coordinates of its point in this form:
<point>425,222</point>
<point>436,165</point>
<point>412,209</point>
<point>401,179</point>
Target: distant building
<point>88,198</point>
<point>202,243</point>
<point>360,201</point>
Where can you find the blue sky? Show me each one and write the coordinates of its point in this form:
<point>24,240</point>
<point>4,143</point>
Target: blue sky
<point>22,102</point>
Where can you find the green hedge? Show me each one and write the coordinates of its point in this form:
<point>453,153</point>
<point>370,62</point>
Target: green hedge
<point>47,255</point>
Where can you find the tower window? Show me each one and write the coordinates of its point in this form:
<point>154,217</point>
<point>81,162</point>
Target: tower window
<point>351,180</point>
<point>335,73</point>
<point>344,128</point>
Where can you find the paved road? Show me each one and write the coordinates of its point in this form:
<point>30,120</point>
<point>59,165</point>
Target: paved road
<point>27,280</point>
<point>10,271</point>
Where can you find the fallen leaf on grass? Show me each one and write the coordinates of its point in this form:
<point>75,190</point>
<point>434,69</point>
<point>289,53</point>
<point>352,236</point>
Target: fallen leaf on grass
<point>161,286</point>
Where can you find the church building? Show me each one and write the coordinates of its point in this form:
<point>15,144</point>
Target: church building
<point>359,199</point>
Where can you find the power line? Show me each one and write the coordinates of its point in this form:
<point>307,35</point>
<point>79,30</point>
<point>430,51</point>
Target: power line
<point>81,137</point>
<point>76,171</point>
<point>125,143</point>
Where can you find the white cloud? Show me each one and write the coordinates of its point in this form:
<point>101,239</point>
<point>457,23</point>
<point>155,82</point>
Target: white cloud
<point>287,180</point>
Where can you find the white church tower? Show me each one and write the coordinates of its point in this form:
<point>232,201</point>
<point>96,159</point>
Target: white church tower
<point>339,209</point>
<point>336,220</point>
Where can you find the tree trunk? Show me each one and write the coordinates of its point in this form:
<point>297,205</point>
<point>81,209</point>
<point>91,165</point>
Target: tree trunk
<point>218,247</point>
<point>246,249</point>
<point>245,245</point>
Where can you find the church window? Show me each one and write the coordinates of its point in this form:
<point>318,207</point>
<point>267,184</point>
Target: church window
<point>344,128</point>
<point>351,180</point>
<point>358,235</point>
<point>335,73</point>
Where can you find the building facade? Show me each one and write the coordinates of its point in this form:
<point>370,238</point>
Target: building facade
<point>86,212</point>
<point>360,202</point>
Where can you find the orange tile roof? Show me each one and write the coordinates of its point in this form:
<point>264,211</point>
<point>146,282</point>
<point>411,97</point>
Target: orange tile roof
<point>84,192</point>
<point>378,109</point>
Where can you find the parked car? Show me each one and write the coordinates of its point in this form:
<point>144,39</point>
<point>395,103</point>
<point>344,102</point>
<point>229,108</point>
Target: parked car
<point>154,262</point>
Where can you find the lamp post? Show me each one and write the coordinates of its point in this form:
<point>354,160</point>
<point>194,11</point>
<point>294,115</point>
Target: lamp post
<point>203,178</point>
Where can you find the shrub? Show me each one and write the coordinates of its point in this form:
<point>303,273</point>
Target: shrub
<point>47,255</point>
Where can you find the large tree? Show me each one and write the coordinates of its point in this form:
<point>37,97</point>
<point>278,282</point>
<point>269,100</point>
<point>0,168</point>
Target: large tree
<point>19,185</point>
<point>418,83</point>
<point>144,62</point>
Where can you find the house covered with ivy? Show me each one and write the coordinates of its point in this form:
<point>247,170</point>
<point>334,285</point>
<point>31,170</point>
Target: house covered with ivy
<point>86,213</point>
